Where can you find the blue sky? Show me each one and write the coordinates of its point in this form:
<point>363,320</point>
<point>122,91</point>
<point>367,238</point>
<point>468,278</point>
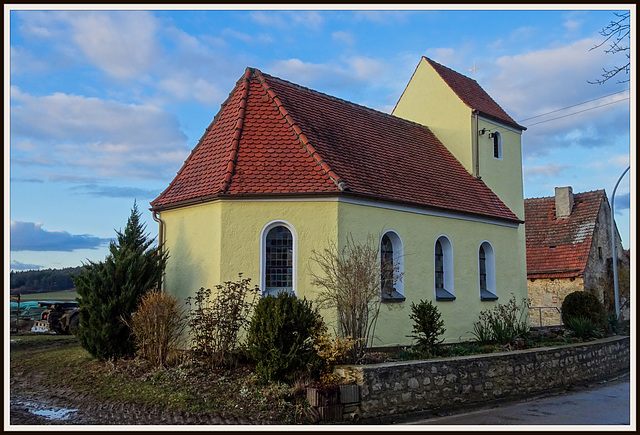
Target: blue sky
<point>105,105</point>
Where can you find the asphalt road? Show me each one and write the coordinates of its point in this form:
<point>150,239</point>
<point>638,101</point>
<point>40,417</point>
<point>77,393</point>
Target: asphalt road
<point>604,403</point>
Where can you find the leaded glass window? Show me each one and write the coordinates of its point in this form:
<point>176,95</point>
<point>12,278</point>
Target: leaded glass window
<point>386,259</point>
<point>483,270</point>
<point>279,260</point>
<point>439,266</point>
<point>497,145</point>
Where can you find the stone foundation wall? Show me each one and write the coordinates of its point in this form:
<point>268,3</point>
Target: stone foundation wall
<point>416,386</point>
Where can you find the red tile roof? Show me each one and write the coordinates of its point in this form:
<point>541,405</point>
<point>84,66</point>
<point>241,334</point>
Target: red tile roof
<point>559,248</point>
<point>274,137</point>
<point>472,94</point>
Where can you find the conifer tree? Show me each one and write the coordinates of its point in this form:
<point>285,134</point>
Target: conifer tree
<point>109,291</point>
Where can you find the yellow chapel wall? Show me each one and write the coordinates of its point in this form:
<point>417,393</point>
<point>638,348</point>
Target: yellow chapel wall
<point>192,239</point>
<point>212,243</point>
<point>502,175</point>
<point>201,255</point>
<point>429,101</point>
<point>419,234</point>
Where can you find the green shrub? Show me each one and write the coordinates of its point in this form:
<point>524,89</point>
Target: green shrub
<point>502,324</point>
<point>280,337</point>
<point>428,325</point>
<point>110,291</point>
<point>613,323</point>
<point>216,323</point>
<point>584,328</point>
<point>157,327</point>
<point>583,304</point>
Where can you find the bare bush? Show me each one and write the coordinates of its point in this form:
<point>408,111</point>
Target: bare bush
<point>350,283</point>
<point>157,327</point>
<point>217,320</point>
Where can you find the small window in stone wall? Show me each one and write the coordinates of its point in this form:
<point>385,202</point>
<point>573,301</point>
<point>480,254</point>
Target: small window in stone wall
<point>600,252</point>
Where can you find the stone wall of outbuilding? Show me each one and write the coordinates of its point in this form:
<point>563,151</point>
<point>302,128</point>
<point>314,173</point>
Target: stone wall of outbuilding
<point>549,293</point>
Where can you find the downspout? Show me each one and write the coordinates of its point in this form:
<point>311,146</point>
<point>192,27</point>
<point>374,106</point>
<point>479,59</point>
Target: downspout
<point>160,238</point>
<point>475,146</point>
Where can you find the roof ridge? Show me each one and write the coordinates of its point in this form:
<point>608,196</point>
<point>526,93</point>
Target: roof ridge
<point>235,142</point>
<point>213,122</point>
<point>509,121</point>
<point>304,141</point>
<point>574,194</point>
<point>341,100</point>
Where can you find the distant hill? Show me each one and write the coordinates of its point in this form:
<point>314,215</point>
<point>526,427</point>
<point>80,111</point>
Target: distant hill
<point>41,281</point>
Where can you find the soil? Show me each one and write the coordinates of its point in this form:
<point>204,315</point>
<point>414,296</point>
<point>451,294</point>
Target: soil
<point>35,402</point>
<point>30,405</point>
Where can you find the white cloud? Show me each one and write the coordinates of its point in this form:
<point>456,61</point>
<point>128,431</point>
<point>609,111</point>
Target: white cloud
<point>343,37</point>
<point>382,16</point>
<point>123,44</point>
<point>23,61</point>
<point>241,36</point>
<point>284,19</point>
<point>549,170</point>
<point>538,82</point>
<point>100,138</point>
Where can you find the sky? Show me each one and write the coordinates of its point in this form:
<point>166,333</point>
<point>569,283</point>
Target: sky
<point>102,106</point>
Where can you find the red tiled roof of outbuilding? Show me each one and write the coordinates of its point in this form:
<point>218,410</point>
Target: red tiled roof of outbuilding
<point>559,248</point>
<point>274,137</point>
<point>472,94</point>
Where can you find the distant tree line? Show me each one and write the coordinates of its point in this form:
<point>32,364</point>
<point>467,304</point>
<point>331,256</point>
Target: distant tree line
<point>41,281</point>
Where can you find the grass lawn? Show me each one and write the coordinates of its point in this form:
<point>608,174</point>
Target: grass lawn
<point>64,295</point>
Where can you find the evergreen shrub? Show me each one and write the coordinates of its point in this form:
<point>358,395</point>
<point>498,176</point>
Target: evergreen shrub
<point>281,337</point>
<point>428,325</point>
<point>110,291</point>
<point>583,304</point>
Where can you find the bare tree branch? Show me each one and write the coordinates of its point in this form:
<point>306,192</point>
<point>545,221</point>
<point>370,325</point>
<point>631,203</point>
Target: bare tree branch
<point>617,33</point>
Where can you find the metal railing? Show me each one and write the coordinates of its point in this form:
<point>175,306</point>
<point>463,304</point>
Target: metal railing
<point>540,311</point>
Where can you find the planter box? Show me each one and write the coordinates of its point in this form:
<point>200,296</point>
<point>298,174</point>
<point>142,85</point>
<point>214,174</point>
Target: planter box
<point>323,396</point>
<point>349,393</point>
<point>330,413</point>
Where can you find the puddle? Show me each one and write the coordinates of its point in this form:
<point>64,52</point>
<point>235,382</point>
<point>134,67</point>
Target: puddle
<point>61,414</point>
<point>48,412</point>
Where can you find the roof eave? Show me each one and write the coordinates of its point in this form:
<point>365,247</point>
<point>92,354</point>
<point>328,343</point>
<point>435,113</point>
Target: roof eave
<point>326,194</point>
<point>499,120</point>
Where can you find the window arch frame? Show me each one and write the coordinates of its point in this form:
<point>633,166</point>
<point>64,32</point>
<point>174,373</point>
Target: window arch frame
<point>447,292</point>
<point>263,255</point>
<point>397,295</point>
<point>489,293</point>
<point>497,144</point>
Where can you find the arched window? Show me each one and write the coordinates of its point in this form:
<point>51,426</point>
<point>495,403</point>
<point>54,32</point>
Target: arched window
<point>391,268</point>
<point>443,269</point>
<point>278,260</point>
<point>497,145</point>
<point>487,273</point>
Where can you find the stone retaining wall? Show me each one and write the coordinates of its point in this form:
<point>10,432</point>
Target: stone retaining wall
<point>418,386</point>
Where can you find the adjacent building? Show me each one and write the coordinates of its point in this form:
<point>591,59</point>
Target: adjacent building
<point>568,245</point>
